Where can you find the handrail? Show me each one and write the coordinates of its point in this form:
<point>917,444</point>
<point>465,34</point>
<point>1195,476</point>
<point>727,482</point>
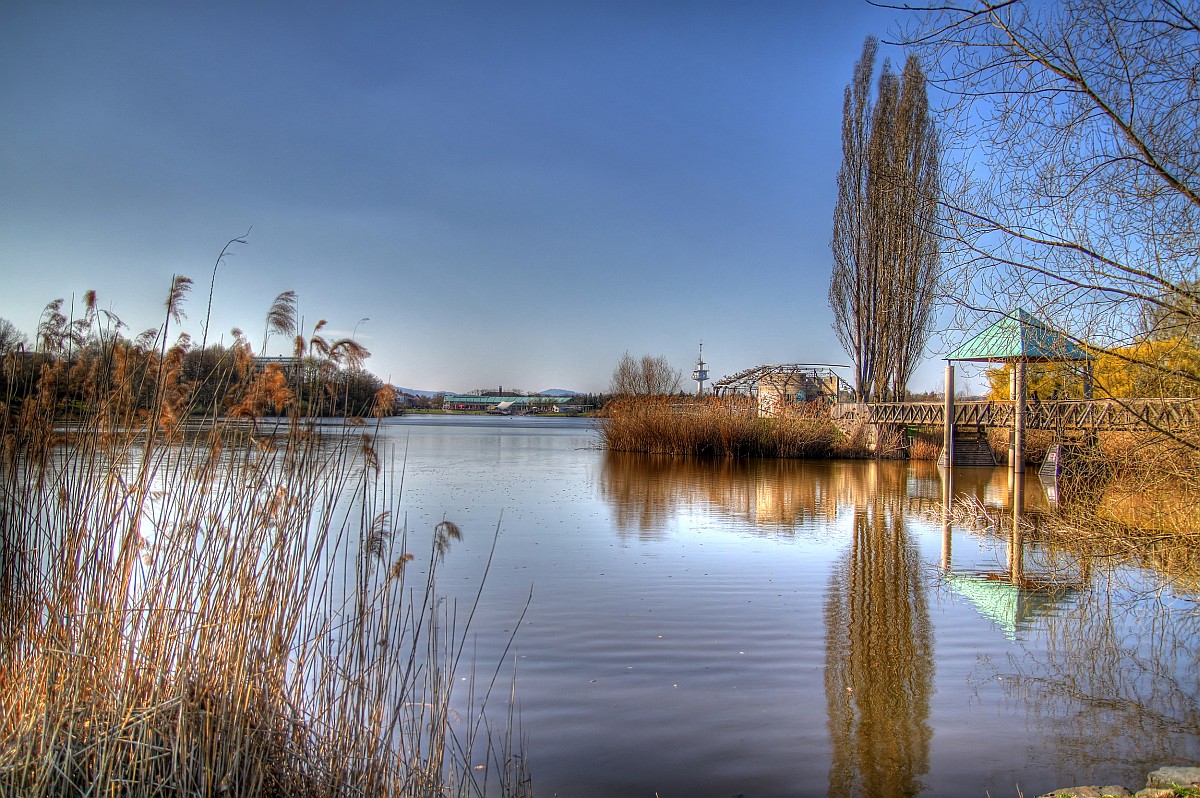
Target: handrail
<point>1057,414</point>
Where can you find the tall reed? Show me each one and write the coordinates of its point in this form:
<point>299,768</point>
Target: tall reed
<point>726,427</point>
<point>204,600</point>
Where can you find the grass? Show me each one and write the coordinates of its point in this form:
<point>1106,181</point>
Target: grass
<point>726,427</point>
<point>228,606</point>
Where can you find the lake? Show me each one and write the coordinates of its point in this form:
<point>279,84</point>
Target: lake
<point>789,628</point>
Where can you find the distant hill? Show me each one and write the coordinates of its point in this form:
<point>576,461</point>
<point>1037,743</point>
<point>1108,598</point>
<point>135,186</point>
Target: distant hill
<point>417,392</point>
<point>557,392</point>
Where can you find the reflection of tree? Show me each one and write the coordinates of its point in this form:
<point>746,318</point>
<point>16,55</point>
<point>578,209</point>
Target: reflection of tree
<point>878,657</point>
<point>1117,686</point>
<point>646,490</point>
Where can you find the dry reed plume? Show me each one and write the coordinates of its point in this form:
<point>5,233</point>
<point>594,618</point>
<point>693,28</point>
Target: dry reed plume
<point>716,427</point>
<point>198,601</point>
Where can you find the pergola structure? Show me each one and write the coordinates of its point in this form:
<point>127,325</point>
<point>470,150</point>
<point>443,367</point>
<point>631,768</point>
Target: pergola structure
<point>1017,338</point>
<point>788,383</point>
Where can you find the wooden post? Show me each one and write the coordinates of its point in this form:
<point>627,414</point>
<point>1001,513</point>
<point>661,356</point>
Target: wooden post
<point>1018,460</point>
<point>948,426</point>
<point>1012,431</point>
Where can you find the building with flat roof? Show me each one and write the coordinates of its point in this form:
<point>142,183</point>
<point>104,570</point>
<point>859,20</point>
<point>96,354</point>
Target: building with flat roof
<point>504,404</point>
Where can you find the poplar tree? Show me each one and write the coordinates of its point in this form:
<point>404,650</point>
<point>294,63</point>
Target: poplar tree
<point>885,250</point>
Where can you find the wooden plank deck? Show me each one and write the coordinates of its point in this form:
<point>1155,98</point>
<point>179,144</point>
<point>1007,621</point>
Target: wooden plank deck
<point>1097,414</point>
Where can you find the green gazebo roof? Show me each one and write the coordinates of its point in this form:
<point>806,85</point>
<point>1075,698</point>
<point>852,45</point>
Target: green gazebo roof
<point>1019,336</point>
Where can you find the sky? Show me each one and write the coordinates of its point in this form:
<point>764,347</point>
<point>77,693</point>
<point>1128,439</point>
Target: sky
<point>484,194</point>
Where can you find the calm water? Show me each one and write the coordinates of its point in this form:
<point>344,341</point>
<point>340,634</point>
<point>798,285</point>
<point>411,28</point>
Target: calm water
<point>789,628</point>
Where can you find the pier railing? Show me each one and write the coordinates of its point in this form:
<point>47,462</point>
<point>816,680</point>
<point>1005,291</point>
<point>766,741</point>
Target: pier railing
<point>1096,414</point>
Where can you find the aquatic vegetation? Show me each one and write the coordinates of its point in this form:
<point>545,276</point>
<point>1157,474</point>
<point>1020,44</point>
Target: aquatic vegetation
<point>726,427</point>
<point>207,592</point>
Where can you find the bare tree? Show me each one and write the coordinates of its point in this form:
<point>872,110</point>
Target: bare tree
<point>885,248</point>
<point>10,336</point>
<point>648,376</point>
<point>912,176</point>
<point>1075,135</point>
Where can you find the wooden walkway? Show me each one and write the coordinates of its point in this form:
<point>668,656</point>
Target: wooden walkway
<point>1098,414</point>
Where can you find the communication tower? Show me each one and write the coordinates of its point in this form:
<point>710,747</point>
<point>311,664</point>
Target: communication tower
<point>700,374</point>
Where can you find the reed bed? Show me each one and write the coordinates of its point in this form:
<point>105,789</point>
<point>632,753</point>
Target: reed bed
<point>725,427</point>
<point>925,445</point>
<point>206,601</point>
<point>1140,491</point>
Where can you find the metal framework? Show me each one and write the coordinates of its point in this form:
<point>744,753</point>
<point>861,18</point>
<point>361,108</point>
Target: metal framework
<point>818,380</point>
<point>1101,414</point>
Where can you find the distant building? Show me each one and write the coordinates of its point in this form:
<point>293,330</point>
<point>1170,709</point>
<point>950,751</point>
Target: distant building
<point>504,404</point>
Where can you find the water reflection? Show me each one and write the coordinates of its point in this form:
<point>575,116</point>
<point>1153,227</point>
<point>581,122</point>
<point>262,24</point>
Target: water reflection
<point>1093,676</point>
<point>1036,581</point>
<point>646,491</point>
<point>1103,698</point>
<point>1111,684</point>
<point>816,564</point>
<point>1105,688</point>
<point>988,487</point>
<point>878,654</point>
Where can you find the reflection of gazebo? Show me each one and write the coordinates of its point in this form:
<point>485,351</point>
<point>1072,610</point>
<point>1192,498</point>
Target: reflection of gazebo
<point>1017,338</point>
<point>1011,607</point>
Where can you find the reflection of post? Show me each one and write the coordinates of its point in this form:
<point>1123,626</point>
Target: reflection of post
<point>947,506</point>
<point>1016,559</point>
<point>948,425</point>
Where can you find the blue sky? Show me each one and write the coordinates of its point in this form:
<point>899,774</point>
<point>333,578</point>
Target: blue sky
<point>511,193</point>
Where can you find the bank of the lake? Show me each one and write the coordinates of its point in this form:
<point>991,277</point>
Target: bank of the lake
<point>1172,781</point>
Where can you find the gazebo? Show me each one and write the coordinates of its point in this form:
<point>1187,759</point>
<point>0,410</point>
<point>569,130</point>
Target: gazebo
<point>1017,338</point>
